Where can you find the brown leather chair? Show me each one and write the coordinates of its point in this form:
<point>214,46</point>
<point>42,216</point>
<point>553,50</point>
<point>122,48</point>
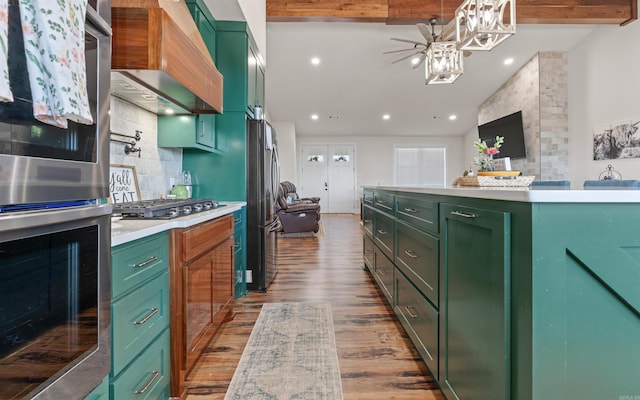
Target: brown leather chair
<point>296,216</point>
<point>289,190</point>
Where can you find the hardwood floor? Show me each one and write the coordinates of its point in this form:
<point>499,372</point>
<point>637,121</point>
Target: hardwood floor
<point>377,360</point>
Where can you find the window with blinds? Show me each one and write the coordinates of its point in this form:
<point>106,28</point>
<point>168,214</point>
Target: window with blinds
<point>420,166</point>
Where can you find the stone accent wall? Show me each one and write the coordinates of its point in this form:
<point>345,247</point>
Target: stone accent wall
<point>540,90</point>
<point>155,167</point>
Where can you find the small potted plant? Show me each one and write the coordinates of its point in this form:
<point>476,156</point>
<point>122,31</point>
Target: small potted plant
<point>485,160</point>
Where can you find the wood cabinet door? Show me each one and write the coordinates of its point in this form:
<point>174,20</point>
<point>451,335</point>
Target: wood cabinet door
<point>475,303</point>
<point>198,304</point>
<point>223,283</point>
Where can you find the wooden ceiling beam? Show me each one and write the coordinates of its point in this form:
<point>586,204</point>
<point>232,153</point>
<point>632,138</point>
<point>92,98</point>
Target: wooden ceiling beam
<point>398,12</point>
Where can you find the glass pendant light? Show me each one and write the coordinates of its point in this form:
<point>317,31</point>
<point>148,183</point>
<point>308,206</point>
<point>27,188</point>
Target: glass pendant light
<point>481,24</point>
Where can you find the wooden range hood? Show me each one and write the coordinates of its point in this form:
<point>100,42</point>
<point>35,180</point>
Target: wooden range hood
<point>157,45</point>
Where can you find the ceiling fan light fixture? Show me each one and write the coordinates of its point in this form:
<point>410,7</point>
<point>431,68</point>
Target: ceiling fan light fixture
<point>484,24</point>
<point>443,63</point>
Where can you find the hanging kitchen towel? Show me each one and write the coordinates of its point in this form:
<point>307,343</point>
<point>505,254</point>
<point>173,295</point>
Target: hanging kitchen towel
<point>54,45</point>
<point>5,89</point>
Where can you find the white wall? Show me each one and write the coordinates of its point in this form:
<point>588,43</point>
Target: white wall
<point>375,155</point>
<point>286,137</point>
<point>604,88</point>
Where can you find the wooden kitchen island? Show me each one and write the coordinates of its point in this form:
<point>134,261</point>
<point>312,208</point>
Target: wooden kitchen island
<point>513,293</point>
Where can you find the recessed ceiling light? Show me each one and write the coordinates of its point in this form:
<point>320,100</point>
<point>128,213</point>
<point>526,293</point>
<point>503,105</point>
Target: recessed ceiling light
<point>169,111</point>
<point>415,60</point>
<point>314,116</point>
<point>315,61</point>
<point>508,61</point>
<point>453,117</point>
<point>386,116</point>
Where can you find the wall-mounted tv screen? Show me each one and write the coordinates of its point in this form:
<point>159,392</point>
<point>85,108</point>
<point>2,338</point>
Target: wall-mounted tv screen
<point>511,128</point>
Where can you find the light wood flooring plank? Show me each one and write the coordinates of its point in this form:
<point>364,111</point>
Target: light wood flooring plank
<point>377,360</point>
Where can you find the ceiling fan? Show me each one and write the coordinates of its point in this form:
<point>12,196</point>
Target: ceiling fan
<point>420,48</point>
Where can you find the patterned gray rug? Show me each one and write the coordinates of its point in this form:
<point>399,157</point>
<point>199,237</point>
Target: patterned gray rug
<point>291,354</point>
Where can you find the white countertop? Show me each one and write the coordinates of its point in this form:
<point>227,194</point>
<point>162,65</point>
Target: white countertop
<point>525,194</point>
<point>123,231</point>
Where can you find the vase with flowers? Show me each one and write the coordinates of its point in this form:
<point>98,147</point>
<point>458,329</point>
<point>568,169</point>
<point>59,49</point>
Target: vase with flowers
<point>485,159</point>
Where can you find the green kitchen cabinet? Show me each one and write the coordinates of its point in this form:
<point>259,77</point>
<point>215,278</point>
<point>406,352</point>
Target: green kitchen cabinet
<point>196,132</point>
<point>475,313</point>
<point>206,24</point>
<point>240,252</point>
<point>140,319</point>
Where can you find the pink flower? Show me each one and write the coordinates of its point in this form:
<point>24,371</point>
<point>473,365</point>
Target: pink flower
<point>491,151</point>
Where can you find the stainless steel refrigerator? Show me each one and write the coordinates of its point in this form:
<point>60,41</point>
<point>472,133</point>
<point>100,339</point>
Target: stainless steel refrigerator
<point>263,180</point>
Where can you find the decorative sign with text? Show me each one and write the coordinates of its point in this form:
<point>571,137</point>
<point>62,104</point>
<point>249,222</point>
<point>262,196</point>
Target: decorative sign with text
<point>123,184</point>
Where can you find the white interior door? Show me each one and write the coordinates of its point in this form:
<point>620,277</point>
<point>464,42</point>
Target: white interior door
<point>328,172</point>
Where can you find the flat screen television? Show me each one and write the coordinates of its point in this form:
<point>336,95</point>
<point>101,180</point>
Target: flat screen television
<point>511,128</point>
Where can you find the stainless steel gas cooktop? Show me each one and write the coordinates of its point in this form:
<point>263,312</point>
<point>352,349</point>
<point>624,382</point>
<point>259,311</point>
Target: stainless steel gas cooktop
<point>163,208</point>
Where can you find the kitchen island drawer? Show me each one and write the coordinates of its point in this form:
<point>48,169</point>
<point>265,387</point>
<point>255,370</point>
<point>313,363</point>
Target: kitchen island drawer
<point>137,319</point>
<point>136,262</point>
<point>417,257</point>
<point>148,376</point>
<point>383,273</point>
<point>418,211</point>
<point>383,201</point>
<point>420,320</point>
<point>383,233</point>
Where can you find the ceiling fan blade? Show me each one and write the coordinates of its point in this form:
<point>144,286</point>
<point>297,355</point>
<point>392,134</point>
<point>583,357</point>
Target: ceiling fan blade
<point>424,30</point>
<point>466,53</point>
<point>410,41</point>
<point>398,51</point>
<point>405,57</point>
<point>421,60</point>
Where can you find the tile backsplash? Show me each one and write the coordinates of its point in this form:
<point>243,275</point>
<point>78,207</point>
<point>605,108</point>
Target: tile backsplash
<point>156,168</point>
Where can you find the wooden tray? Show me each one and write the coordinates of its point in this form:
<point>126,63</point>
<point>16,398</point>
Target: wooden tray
<point>495,181</point>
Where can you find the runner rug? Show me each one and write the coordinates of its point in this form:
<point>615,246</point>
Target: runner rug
<point>291,354</point>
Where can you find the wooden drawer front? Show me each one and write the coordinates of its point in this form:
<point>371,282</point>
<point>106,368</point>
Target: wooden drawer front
<point>419,212</point>
<point>383,201</point>
<point>148,374</point>
<point>420,320</point>
<point>367,220</point>
<point>136,262</point>
<point>383,233</point>
<point>417,256</point>
<point>205,236</point>
<point>367,196</point>
<point>383,273</point>
<point>137,319</point>
<point>368,252</point>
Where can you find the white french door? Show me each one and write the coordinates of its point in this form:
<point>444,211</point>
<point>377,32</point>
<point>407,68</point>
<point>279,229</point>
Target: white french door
<point>328,172</point>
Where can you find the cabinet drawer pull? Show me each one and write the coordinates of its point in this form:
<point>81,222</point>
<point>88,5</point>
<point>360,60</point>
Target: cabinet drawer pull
<point>239,219</point>
<point>463,215</point>
<point>382,272</point>
<point>411,253</point>
<point>153,312</point>
<point>411,210</point>
<point>382,231</point>
<point>236,245</point>
<point>412,314</point>
<point>154,376</point>
<point>381,202</point>
<point>146,262</point>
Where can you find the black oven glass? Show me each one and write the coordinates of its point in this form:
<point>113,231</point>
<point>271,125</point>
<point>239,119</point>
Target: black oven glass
<point>48,306</point>
<point>20,133</point>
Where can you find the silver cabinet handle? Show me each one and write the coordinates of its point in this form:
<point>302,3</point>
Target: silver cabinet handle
<point>412,314</point>
<point>411,210</point>
<point>382,231</point>
<point>202,131</point>
<point>235,221</point>
<point>153,312</point>
<point>154,376</point>
<point>382,272</point>
<point>463,215</point>
<point>381,202</point>
<point>236,245</point>
<point>142,264</point>
<point>411,253</point>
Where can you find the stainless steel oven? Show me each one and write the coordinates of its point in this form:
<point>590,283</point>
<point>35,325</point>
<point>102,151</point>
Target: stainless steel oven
<point>43,163</point>
<point>54,302</point>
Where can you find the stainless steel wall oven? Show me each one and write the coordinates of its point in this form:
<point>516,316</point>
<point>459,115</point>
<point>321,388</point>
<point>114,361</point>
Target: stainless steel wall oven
<point>54,302</point>
<point>43,163</point>
<point>55,236</point>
